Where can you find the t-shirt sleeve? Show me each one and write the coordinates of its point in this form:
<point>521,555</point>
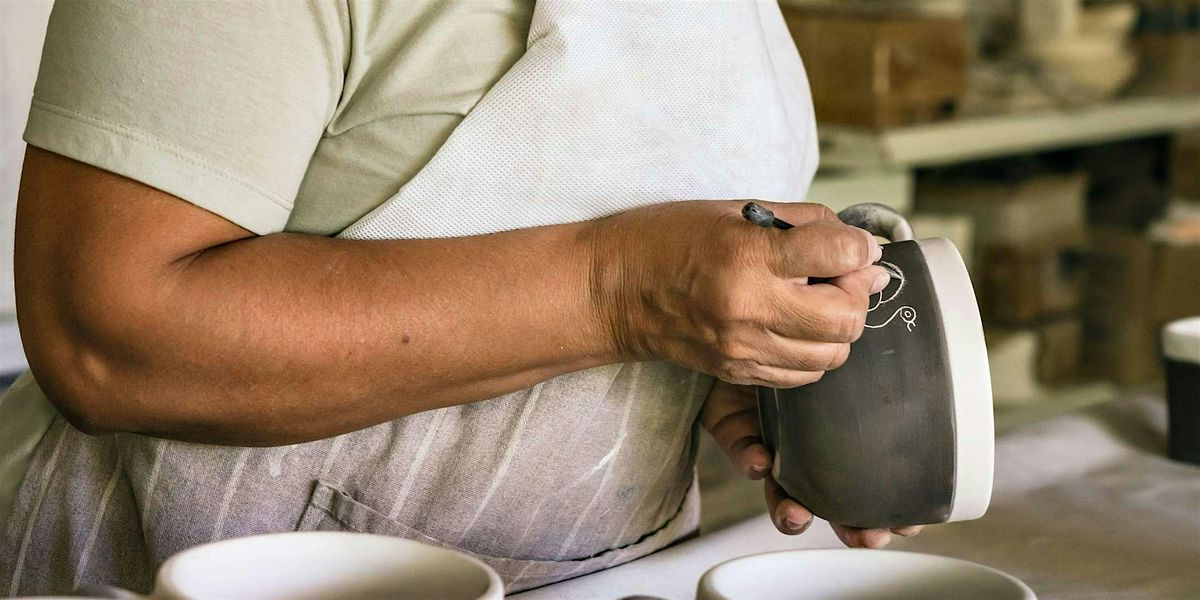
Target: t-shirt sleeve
<point>220,103</point>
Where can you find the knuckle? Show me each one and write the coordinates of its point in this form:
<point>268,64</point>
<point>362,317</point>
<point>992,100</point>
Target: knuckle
<point>851,248</point>
<point>848,325</point>
<point>840,354</point>
<point>737,372</point>
<point>730,348</point>
<point>812,359</point>
<point>776,381</point>
<point>725,371</point>
<point>856,320</point>
<point>810,211</point>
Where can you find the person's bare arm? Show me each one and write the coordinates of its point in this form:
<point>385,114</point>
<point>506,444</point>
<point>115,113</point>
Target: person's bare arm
<point>141,312</point>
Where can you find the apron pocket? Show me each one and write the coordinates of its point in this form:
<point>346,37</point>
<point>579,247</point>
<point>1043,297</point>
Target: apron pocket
<point>331,509</point>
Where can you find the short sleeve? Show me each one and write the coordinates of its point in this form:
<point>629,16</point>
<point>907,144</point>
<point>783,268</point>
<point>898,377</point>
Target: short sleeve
<point>220,103</point>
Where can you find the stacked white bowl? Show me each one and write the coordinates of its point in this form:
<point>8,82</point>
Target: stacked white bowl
<point>1082,51</point>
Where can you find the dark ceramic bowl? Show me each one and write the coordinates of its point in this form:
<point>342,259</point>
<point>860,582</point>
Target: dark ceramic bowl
<point>902,433</point>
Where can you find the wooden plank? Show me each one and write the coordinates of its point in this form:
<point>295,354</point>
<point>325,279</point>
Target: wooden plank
<point>987,137</point>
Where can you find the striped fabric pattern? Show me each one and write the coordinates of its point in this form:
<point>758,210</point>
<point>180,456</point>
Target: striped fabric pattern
<point>502,480</point>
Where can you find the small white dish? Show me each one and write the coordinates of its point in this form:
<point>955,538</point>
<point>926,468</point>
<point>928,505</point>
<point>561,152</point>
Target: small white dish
<point>319,564</point>
<point>856,574</point>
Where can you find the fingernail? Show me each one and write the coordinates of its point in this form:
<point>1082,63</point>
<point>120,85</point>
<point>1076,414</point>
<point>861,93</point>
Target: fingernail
<point>881,282</point>
<point>876,249</point>
<point>794,526</point>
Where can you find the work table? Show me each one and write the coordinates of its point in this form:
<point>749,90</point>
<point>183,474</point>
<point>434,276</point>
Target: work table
<point>1085,505</point>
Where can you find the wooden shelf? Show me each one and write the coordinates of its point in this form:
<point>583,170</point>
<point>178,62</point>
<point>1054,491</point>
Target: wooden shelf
<point>987,137</point>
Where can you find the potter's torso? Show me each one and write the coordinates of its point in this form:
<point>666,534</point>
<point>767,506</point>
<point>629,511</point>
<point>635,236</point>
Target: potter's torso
<point>611,106</point>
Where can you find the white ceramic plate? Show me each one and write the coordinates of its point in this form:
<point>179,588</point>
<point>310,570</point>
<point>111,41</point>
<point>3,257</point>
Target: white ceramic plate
<point>855,574</point>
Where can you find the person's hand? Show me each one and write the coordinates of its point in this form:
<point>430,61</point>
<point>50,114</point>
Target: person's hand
<point>730,414</point>
<point>693,283</point>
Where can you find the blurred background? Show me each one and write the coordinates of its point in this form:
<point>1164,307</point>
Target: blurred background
<point>1056,142</point>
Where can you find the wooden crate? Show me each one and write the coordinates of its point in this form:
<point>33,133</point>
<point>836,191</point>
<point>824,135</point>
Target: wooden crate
<point>1134,286</point>
<point>1060,349</point>
<point>1041,209</point>
<point>1021,285</point>
<point>1185,165</point>
<point>1170,64</point>
<point>1024,360</point>
<point>880,68</point>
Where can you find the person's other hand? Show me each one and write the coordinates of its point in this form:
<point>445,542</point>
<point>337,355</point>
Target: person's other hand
<point>730,414</point>
<point>693,283</point>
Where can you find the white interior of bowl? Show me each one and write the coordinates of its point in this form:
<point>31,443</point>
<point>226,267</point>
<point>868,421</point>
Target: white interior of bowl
<point>857,575</point>
<point>324,565</point>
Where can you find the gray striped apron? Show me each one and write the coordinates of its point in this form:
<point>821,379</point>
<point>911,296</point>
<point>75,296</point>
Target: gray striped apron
<point>612,106</point>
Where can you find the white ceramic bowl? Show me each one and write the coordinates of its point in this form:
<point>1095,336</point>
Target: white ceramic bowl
<point>325,565</point>
<point>1101,67</point>
<point>856,574</point>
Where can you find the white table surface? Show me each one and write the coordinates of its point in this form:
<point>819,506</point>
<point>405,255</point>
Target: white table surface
<point>1084,506</point>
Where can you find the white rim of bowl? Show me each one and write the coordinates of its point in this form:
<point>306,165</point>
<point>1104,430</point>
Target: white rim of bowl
<point>970,377</point>
<point>1021,585</point>
<point>163,587</point>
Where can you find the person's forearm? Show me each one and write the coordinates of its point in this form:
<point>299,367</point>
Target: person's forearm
<point>334,335</point>
<point>287,338</point>
<point>141,312</point>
